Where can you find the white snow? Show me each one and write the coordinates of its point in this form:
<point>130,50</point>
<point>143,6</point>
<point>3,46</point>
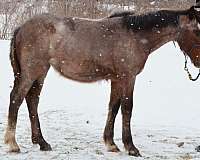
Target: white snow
<point>110,7</point>
<point>152,3</point>
<point>166,112</point>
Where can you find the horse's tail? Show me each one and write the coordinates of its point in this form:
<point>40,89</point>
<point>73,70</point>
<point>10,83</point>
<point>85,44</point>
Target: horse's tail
<point>13,56</point>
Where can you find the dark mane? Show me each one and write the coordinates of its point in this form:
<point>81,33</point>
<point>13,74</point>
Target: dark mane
<point>153,20</point>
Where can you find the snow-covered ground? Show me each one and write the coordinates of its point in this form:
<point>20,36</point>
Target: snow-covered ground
<point>166,112</point>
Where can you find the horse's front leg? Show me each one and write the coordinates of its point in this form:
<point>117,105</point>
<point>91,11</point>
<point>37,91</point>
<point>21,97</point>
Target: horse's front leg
<point>126,108</point>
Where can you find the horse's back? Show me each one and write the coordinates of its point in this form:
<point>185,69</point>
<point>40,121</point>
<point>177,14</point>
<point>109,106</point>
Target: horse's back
<point>80,49</point>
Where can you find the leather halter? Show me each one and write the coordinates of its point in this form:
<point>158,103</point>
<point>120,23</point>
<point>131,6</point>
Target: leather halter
<point>186,68</point>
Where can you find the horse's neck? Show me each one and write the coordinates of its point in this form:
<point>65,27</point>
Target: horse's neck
<point>158,38</point>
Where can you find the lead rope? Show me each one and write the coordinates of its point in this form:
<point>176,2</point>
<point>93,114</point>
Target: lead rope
<point>187,70</point>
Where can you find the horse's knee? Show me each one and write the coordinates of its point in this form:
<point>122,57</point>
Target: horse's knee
<point>19,91</point>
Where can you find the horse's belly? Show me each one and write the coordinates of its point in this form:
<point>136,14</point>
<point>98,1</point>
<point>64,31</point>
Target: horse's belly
<point>83,72</point>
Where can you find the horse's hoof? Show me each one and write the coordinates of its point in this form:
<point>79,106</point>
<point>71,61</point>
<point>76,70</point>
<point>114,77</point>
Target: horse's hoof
<point>14,148</point>
<point>46,147</point>
<point>197,148</point>
<point>134,153</point>
<point>113,148</point>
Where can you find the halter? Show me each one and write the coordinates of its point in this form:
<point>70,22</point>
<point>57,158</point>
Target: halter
<point>186,68</point>
<point>193,47</point>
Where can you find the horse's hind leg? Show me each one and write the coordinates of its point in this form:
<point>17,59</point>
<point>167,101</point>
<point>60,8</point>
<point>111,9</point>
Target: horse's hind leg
<point>32,100</point>
<point>126,108</point>
<point>113,110</point>
<point>20,89</point>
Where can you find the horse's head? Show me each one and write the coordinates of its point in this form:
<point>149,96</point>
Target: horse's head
<point>189,37</point>
<point>189,42</point>
<point>190,19</point>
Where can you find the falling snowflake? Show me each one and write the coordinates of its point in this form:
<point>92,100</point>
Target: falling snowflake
<point>122,60</point>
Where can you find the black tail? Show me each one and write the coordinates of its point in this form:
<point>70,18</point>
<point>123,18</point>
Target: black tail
<point>13,57</point>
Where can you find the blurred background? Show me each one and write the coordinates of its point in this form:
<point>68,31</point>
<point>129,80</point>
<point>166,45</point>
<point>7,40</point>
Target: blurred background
<point>16,12</point>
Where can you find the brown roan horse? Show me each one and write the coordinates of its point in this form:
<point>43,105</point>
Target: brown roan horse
<point>113,48</point>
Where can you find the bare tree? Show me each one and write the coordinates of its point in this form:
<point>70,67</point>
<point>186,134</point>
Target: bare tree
<point>14,13</point>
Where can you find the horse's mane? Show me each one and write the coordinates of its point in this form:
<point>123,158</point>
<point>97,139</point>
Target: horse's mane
<point>149,21</point>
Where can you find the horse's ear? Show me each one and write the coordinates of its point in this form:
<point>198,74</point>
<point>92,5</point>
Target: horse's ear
<point>192,12</point>
<point>196,12</point>
<point>197,5</point>
<point>197,8</point>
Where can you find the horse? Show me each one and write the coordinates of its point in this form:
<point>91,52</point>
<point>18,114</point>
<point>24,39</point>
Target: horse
<point>113,48</point>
